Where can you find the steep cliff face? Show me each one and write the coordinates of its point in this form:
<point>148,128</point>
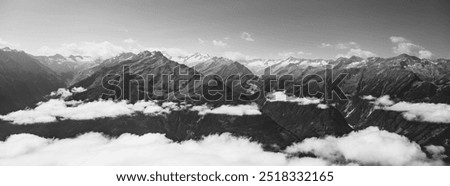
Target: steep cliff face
<point>24,80</point>
<point>307,121</point>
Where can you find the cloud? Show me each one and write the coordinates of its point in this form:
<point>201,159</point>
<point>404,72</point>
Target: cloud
<point>383,101</point>
<point>343,46</point>
<point>325,45</point>
<point>353,49</point>
<point>357,52</point>
<point>236,56</point>
<point>437,152</point>
<point>201,41</point>
<point>59,109</point>
<point>340,46</point>
<point>4,43</point>
<point>247,36</point>
<point>62,93</point>
<point>171,51</point>
<point>219,43</point>
<point>428,112</point>
<point>293,54</point>
<point>129,41</point>
<point>367,147</point>
<point>396,39</point>
<point>286,54</point>
<point>370,146</point>
<point>78,89</point>
<point>235,110</point>
<point>369,97</point>
<point>149,149</point>
<point>102,50</point>
<point>405,46</point>
<point>51,110</point>
<point>304,53</point>
<point>282,97</point>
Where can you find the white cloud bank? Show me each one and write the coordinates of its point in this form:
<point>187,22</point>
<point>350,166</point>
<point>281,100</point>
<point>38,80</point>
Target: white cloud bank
<point>367,147</point>
<point>59,109</point>
<point>246,36</point>
<point>405,46</point>
<point>426,112</point>
<point>282,97</point>
<point>219,43</point>
<point>236,110</point>
<point>149,149</point>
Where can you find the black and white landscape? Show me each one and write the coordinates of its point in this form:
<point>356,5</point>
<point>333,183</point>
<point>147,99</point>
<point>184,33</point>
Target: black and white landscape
<point>225,83</point>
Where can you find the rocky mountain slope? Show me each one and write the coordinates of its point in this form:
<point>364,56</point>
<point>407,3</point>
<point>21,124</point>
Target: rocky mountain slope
<point>24,80</point>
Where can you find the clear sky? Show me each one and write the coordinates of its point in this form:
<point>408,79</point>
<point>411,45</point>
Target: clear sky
<point>245,28</point>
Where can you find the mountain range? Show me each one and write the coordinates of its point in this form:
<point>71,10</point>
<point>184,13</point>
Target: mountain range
<point>404,79</point>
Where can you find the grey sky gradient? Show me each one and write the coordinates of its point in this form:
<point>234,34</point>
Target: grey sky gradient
<point>272,28</point>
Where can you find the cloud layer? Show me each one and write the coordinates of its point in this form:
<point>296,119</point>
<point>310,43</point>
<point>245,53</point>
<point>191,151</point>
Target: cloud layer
<point>149,149</point>
<point>367,147</point>
<point>282,97</point>
<point>236,110</point>
<point>59,109</point>
<point>426,112</point>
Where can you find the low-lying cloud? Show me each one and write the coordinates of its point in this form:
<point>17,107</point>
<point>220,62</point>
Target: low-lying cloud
<point>282,97</point>
<point>60,109</point>
<point>237,110</point>
<point>367,147</point>
<point>149,149</point>
<point>426,112</point>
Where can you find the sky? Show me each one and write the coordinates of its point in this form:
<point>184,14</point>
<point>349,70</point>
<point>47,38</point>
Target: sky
<point>242,29</point>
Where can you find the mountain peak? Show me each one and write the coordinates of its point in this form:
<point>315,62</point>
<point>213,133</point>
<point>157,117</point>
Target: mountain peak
<point>7,49</point>
<point>356,58</point>
<point>147,53</point>
<point>406,56</point>
<point>290,58</point>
